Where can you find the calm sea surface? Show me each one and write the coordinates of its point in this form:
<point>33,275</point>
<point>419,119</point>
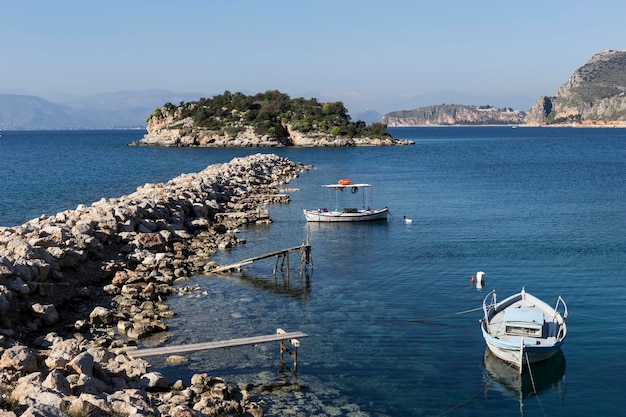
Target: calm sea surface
<point>543,209</point>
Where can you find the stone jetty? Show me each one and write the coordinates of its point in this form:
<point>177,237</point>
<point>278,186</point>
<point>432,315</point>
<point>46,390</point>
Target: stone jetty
<point>77,288</point>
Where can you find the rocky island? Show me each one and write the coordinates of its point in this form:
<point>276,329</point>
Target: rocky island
<point>269,119</point>
<point>77,288</point>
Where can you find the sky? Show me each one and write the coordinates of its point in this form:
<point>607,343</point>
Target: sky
<point>369,54</point>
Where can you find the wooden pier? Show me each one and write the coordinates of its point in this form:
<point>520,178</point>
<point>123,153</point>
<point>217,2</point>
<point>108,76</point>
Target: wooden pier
<point>281,336</point>
<point>283,253</point>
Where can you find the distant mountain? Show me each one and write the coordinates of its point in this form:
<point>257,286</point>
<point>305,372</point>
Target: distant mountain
<point>367,116</point>
<point>454,114</point>
<point>594,95</point>
<point>124,109</point>
<point>26,112</point>
<point>514,101</point>
<point>128,99</point>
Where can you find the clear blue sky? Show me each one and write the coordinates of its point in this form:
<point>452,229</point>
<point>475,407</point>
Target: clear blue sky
<point>366,52</point>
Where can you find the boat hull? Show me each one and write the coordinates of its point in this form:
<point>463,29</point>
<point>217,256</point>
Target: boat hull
<point>518,356</point>
<point>323,216</point>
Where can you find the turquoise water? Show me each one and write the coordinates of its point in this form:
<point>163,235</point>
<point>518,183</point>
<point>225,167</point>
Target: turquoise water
<point>536,208</point>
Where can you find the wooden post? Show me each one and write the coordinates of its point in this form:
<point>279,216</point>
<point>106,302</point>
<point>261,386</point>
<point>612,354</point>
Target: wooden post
<point>280,335</point>
<point>283,348</point>
<point>276,265</point>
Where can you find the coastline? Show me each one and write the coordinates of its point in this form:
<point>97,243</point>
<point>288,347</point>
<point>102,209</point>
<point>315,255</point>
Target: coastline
<point>120,258</point>
<point>574,126</point>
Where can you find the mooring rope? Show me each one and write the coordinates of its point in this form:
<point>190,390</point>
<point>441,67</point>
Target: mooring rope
<point>467,401</point>
<point>445,315</point>
<point>532,381</point>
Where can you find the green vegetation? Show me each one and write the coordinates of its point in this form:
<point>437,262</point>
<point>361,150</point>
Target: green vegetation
<point>269,114</point>
<point>552,119</point>
<point>601,78</point>
<point>7,402</point>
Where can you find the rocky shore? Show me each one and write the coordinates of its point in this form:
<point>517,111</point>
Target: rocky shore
<point>80,287</point>
<point>169,131</point>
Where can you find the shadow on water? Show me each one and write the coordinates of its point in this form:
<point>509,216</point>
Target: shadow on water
<point>509,381</point>
<point>296,286</point>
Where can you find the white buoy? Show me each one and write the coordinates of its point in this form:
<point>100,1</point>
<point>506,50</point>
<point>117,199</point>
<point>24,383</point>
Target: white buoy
<point>480,278</point>
<point>407,221</point>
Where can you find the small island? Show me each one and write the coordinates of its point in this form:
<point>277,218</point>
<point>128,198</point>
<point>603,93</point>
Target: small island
<point>270,119</point>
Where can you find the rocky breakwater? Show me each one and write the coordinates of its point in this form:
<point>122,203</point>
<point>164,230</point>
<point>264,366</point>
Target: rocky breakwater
<point>79,287</point>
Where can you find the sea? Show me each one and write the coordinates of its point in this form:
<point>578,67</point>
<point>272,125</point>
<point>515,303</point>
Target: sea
<point>390,309</point>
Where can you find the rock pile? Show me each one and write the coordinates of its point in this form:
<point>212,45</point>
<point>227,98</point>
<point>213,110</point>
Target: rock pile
<point>76,288</point>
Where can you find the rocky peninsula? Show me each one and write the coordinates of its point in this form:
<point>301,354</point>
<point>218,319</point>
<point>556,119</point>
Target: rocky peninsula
<point>595,95</point>
<point>454,114</point>
<point>79,287</point>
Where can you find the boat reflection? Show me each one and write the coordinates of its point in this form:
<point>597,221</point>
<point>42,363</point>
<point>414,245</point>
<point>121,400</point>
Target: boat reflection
<point>297,286</point>
<point>507,378</point>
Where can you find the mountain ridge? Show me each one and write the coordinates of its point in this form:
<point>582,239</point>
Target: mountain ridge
<point>122,109</point>
<point>130,108</point>
<point>454,114</point>
<point>595,95</point>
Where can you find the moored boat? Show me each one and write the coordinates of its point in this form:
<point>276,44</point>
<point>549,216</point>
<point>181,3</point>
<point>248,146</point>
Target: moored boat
<point>522,329</point>
<point>346,214</point>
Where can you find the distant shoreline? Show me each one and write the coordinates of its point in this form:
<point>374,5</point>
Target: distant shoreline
<point>594,126</point>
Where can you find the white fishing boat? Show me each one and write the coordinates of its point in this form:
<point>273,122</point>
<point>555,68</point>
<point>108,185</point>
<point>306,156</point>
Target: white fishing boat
<point>522,329</point>
<point>336,194</point>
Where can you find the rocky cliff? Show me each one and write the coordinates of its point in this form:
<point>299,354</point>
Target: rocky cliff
<point>169,131</point>
<point>453,114</point>
<point>594,95</point>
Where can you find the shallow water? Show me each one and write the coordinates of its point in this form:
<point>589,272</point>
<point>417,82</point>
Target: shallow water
<point>536,208</point>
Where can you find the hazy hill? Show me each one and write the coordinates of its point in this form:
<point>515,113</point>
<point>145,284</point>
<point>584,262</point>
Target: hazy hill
<point>21,111</point>
<point>594,95</point>
<point>454,114</point>
<point>124,109</point>
<point>514,101</point>
<point>368,116</point>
